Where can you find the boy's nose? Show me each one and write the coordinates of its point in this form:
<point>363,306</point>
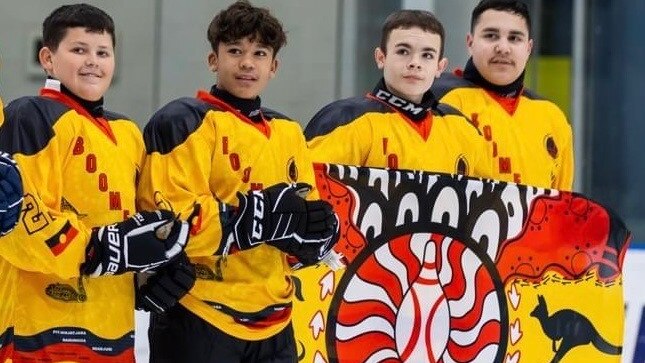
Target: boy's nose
<point>90,60</point>
<point>246,63</point>
<point>502,47</point>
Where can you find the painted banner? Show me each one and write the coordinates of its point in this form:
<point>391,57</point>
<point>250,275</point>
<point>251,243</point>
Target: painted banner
<point>444,268</point>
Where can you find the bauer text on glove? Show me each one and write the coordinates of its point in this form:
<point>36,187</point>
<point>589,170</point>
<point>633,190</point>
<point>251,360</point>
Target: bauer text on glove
<point>140,243</point>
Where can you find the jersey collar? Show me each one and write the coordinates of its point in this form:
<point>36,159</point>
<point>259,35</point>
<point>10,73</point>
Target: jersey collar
<point>508,96</point>
<point>261,125</point>
<point>416,112</point>
<point>248,108</point>
<point>93,111</point>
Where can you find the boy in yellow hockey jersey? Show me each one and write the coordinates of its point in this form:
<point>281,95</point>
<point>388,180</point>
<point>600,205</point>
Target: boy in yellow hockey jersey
<point>79,231</point>
<point>10,205</point>
<point>528,136</point>
<point>400,124</point>
<point>218,146</point>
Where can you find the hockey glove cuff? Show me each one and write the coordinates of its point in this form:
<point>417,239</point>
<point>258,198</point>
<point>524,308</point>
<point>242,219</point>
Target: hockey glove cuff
<point>143,242</point>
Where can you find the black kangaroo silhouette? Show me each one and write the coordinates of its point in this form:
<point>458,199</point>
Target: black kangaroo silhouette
<point>572,328</point>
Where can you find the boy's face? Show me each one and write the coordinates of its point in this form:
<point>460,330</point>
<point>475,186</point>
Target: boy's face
<point>243,67</point>
<point>500,46</point>
<point>83,62</point>
<point>411,63</point>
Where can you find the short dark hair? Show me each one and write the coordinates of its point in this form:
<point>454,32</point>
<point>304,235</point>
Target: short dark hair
<point>407,19</point>
<point>512,6</point>
<point>86,16</point>
<point>241,20</point>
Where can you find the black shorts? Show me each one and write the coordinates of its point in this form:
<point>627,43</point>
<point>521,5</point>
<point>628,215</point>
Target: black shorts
<point>179,336</point>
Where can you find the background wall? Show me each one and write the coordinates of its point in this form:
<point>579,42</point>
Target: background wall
<point>132,90</point>
<point>162,49</point>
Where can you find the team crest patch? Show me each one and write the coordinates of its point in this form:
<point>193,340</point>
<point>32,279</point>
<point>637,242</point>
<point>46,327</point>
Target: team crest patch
<point>292,170</point>
<point>67,293</point>
<point>204,272</point>
<point>461,167</point>
<point>59,242</point>
<point>551,147</point>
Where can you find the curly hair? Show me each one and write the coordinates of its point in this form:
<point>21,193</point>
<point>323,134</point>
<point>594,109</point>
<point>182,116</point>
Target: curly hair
<point>241,20</point>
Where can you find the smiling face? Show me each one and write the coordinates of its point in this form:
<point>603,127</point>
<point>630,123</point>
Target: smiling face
<point>411,62</point>
<point>500,46</point>
<point>83,62</point>
<point>243,67</point>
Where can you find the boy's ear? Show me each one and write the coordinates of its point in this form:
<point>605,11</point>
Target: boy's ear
<point>45,58</point>
<point>379,57</point>
<point>441,66</point>
<point>274,67</point>
<point>212,61</point>
<point>469,42</point>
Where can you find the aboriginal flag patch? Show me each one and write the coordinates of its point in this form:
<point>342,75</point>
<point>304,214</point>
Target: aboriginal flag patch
<point>59,242</point>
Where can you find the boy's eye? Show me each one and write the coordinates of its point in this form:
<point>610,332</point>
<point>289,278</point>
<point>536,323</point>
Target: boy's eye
<point>428,55</point>
<point>514,38</point>
<point>402,51</point>
<point>261,53</point>
<point>234,51</point>
<point>491,36</point>
<point>78,50</point>
<point>103,53</point>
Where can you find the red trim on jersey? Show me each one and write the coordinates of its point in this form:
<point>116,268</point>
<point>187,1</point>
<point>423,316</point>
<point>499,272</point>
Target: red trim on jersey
<point>100,122</point>
<point>509,104</point>
<point>59,352</point>
<point>422,127</point>
<point>263,126</point>
<point>275,318</point>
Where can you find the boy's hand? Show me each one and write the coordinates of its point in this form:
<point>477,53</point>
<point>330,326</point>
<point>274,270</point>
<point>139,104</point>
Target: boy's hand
<point>10,194</point>
<point>308,252</point>
<point>140,243</point>
<point>163,289</point>
<point>280,213</point>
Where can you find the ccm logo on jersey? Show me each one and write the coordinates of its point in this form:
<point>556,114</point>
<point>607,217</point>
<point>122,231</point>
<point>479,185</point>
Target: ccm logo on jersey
<point>399,102</point>
<point>258,213</point>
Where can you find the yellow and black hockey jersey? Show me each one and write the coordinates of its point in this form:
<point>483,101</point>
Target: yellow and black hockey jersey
<point>79,171</point>
<point>529,137</point>
<point>204,150</point>
<point>8,276</point>
<point>383,130</point>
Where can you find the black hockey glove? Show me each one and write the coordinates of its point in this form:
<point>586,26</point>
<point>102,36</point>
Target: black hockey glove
<point>140,243</point>
<point>305,252</point>
<point>281,214</point>
<point>162,290</point>
<point>10,194</point>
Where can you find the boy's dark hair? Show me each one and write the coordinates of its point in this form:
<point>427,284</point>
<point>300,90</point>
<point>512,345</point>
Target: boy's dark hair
<point>241,20</point>
<point>86,16</point>
<point>512,6</point>
<point>407,19</point>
